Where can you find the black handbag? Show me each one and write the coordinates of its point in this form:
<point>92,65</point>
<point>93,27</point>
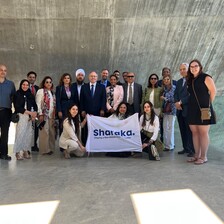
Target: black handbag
<point>15,117</point>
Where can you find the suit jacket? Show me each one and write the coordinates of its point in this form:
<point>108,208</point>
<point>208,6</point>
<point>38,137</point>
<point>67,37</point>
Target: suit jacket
<point>118,96</point>
<point>74,88</point>
<point>137,97</point>
<point>62,100</point>
<point>93,105</point>
<point>36,89</point>
<point>182,94</point>
<point>108,83</point>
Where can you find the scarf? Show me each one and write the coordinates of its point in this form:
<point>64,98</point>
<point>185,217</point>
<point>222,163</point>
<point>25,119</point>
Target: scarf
<point>46,103</point>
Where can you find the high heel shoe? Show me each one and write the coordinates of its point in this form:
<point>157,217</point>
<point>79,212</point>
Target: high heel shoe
<point>26,155</point>
<point>19,156</point>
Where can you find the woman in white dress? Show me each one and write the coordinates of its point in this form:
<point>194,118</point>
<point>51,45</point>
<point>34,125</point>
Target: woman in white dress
<point>26,107</point>
<point>69,140</point>
<point>45,100</point>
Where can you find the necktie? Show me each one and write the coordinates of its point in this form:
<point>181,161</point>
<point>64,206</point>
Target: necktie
<point>33,90</point>
<point>130,98</point>
<point>92,90</point>
<point>184,80</point>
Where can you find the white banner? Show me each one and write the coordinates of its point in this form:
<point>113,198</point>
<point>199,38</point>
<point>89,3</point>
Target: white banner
<point>113,135</point>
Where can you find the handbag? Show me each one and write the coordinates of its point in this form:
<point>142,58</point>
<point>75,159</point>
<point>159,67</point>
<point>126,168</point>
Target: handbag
<point>15,117</point>
<point>205,112</point>
<point>167,107</point>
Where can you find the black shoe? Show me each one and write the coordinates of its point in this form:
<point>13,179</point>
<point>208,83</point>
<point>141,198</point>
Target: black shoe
<point>190,154</point>
<point>181,152</point>
<point>166,150</point>
<point>35,149</point>
<point>5,157</point>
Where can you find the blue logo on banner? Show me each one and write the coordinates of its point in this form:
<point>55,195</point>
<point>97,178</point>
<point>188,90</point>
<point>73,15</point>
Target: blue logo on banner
<point>104,133</point>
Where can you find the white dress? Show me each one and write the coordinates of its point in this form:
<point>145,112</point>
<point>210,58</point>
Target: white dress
<point>24,134</point>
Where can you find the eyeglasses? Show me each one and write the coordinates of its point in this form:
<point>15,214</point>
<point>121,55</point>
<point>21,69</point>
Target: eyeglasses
<point>153,78</point>
<point>196,66</point>
<point>130,76</point>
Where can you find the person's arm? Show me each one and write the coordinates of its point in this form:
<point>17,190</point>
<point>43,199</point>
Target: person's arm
<point>211,87</point>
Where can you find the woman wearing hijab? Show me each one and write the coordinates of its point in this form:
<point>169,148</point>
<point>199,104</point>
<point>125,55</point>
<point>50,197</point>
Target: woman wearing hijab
<point>26,107</point>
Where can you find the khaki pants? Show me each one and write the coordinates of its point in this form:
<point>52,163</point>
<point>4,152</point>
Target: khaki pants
<point>47,137</point>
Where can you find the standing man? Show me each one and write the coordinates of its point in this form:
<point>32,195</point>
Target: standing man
<point>76,87</point>
<point>132,94</point>
<point>92,100</point>
<point>93,97</point>
<point>104,77</point>
<point>31,77</point>
<point>7,92</point>
<point>181,96</point>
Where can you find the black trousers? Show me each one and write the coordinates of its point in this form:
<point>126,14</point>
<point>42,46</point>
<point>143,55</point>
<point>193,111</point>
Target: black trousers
<point>5,119</point>
<point>185,132</point>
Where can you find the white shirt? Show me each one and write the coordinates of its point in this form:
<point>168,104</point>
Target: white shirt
<point>151,128</point>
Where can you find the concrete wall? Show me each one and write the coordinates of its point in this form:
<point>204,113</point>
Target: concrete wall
<point>143,36</point>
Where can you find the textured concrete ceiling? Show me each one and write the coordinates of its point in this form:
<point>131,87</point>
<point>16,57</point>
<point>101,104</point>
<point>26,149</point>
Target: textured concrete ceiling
<point>52,37</point>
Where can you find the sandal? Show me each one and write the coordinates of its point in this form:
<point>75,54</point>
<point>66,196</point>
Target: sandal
<point>26,155</point>
<point>66,154</point>
<point>19,156</point>
<point>200,161</point>
<point>192,160</point>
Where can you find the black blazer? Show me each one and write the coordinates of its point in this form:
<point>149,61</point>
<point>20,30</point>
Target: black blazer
<point>20,99</point>
<point>93,105</point>
<point>62,100</point>
<point>74,88</point>
<point>137,97</point>
<point>182,94</point>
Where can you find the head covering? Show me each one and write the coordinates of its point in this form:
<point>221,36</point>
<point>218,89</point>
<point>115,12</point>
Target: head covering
<point>80,70</point>
<point>26,93</point>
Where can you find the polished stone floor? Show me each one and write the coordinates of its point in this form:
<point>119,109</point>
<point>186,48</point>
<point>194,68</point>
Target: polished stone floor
<point>97,189</point>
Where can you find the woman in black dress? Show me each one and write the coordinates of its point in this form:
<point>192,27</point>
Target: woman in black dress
<point>202,92</point>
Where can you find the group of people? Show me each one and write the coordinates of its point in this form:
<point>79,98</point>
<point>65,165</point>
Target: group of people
<point>160,103</point>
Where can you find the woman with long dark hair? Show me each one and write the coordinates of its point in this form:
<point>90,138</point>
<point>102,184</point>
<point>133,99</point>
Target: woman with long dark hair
<point>45,100</point>
<point>69,139</point>
<point>149,126</point>
<point>202,93</point>
<point>153,92</point>
<point>26,107</point>
<point>64,98</point>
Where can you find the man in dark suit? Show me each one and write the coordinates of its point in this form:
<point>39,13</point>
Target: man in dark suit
<point>92,99</point>
<point>76,87</point>
<point>181,96</point>
<point>31,77</point>
<point>132,94</point>
<point>104,77</point>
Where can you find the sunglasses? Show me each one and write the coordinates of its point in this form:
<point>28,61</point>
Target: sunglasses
<point>130,76</point>
<point>153,78</point>
<point>48,82</point>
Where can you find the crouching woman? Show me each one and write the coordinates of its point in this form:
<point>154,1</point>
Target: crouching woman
<point>69,140</point>
<point>149,126</point>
